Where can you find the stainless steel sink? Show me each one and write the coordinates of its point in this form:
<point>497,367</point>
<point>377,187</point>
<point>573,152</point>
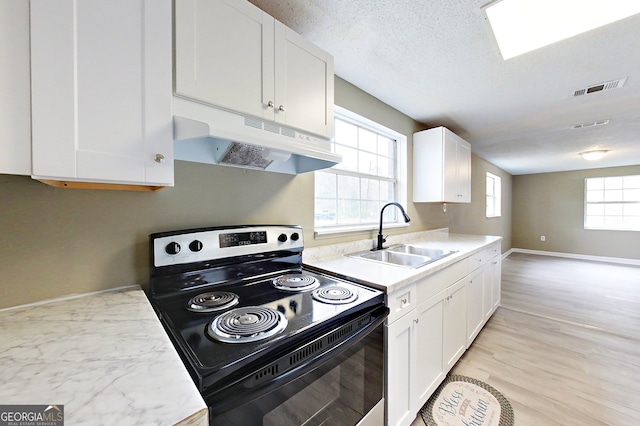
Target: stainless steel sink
<point>430,252</point>
<point>405,255</point>
<point>395,258</point>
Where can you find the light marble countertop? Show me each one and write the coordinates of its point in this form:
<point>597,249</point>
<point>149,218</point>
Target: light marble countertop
<point>333,259</point>
<point>104,356</point>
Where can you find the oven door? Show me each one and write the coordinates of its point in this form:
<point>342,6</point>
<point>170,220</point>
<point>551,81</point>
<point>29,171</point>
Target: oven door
<point>341,386</point>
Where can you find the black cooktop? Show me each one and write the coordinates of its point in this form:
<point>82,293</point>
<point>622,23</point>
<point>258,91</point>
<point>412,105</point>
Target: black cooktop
<point>302,311</point>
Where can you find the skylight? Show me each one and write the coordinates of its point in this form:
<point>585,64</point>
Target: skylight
<point>521,26</point>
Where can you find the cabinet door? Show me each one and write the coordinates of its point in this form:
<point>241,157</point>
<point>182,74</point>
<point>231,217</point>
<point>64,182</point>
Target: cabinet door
<point>224,55</point>
<point>429,353</point>
<point>475,309</point>
<point>450,180</point>
<point>15,124</point>
<point>464,172</point>
<point>455,324</point>
<point>101,91</point>
<point>303,83</point>
<point>496,282</point>
<point>401,362</point>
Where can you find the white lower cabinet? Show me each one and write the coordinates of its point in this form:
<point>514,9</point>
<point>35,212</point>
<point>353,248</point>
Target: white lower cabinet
<point>496,282</point>
<point>483,288</point>
<point>401,366</point>
<point>421,348</point>
<point>431,324</point>
<point>475,309</point>
<point>455,324</point>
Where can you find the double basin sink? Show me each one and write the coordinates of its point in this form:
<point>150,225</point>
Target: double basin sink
<point>405,255</point>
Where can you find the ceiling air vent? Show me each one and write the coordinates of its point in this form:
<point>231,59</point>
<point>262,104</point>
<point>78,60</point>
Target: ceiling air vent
<point>600,87</point>
<point>592,124</point>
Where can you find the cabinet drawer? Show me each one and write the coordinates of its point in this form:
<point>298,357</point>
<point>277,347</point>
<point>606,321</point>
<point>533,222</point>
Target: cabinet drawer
<point>494,250</point>
<point>478,259</point>
<point>401,301</point>
<point>432,284</point>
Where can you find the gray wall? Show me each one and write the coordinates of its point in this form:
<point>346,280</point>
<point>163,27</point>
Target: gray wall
<point>55,242</point>
<point>471,218</point>
<point>552,204</point>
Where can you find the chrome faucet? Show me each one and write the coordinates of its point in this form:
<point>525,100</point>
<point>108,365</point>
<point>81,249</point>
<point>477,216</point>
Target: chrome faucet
<point>381,239</point>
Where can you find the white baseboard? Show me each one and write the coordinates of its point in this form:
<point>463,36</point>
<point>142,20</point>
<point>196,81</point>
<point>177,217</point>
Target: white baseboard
<point>620,260</point>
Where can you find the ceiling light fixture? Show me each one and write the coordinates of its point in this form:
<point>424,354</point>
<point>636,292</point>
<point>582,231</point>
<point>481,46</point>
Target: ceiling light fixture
<point>593,155</point>
<point>521,26</point>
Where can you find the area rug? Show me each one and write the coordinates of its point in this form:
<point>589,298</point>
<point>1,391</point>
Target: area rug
<point>463,401</point>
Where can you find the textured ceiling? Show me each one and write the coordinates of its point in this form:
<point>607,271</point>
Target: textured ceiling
<point>437,62</point>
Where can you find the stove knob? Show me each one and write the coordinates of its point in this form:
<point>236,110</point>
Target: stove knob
<point>172,248</point>
<point>195,245</point>
<point>295,236</point>
<point>282,238</point>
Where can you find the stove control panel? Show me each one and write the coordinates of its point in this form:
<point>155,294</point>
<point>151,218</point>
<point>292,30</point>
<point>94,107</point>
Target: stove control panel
<point>199,245</point>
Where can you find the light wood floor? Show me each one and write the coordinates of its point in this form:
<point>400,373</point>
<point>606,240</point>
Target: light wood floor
<point>564,348</point>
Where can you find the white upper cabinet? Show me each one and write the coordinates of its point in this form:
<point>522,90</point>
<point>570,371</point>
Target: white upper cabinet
<point>233,55</point>
<point>441,167</point>
<point>15,123</point>
<point>102,91</point>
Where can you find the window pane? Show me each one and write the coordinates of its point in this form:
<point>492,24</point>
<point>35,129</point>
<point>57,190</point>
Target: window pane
<point>595,183</point>
<point>348,188</point>
<point>325,186</point>
<point>632,182</point>
<point>386,167</point>
<point>595,209</point>
<point>613,209</point>
<point>613,182</point>
<point>595,196</point>
<point>632,195</point>
<point>370,189</point>
<point>370,212</point>
<point>325,212</point>
<point>367,140</point>
<point>386,146</point>
<point>613,195</point>
<point>349,158</point>
<point>368,163</point>
<point>348,212</point>
<point>386,191</point>
<point>346,133</point>
<point>632,209</point>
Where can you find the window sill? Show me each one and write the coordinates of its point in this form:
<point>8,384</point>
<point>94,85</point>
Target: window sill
<point>330,232</point>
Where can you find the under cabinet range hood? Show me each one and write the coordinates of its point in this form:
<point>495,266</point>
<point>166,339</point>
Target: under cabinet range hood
<point>205,134</point>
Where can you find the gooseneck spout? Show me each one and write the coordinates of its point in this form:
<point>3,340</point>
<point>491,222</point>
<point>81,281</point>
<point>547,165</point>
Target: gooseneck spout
<point>381,238</point>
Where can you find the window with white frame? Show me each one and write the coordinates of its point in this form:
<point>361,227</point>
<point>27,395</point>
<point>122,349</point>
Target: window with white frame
<point>494,195</point>
<point>349,196</point>
<point>612,203</point>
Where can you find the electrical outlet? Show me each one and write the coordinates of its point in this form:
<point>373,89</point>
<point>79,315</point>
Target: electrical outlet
<point>543,238</point>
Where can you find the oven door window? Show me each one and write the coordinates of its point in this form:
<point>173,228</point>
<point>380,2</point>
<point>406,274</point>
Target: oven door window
<point>337,391</point>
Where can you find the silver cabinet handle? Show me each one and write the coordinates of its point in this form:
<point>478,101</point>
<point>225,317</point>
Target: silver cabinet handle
<point>281,108</point>
<point>404,301</point>
<point>270,104</point>
<point>158,158</point>
<point>416,320</point>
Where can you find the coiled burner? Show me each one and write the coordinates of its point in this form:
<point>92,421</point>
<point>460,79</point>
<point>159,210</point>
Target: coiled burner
<point>212,301</point>
<point>334,295</point>
<point>247,324</point>
<point>295,282</point>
